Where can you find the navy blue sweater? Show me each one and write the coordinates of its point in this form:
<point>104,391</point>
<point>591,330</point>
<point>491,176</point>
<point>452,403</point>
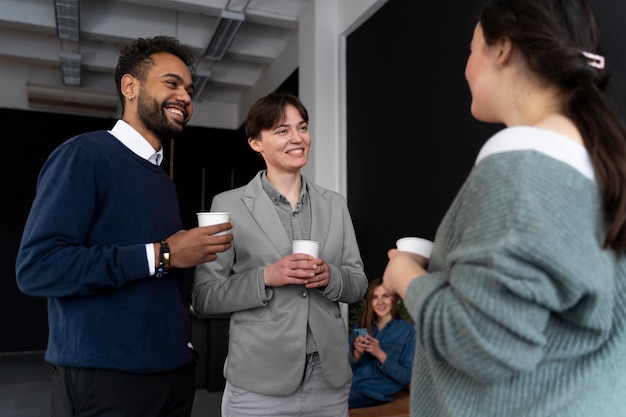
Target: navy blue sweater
<point>83,247</point>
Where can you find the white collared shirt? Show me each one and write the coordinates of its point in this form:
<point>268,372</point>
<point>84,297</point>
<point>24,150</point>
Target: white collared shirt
<point>130,138</point>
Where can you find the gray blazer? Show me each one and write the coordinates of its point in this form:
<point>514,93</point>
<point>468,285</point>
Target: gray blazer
<point>268,326</point>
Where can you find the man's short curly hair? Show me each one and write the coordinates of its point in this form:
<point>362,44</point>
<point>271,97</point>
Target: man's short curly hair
<point>136,58</point>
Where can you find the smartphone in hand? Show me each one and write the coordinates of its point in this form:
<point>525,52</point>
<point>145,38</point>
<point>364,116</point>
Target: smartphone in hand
<point>361,331</point>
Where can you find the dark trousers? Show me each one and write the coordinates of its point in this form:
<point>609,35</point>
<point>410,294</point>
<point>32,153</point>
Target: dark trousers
<point>89,392</point>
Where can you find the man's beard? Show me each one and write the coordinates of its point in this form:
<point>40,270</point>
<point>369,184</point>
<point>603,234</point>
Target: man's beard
<point>153,116</point>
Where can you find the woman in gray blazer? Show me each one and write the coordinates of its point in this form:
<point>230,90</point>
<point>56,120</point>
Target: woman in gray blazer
<point>288,346</point>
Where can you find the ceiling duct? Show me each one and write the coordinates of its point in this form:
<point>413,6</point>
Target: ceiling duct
<point>68,31</point>
<point>67,18</point>
<point>200,81</point>
<point>70,67</point>
<point>228,25</point>
<point>76,101</point>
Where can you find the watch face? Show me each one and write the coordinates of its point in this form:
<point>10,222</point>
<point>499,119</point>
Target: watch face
<point>164,260</point>
<point>159,271</point>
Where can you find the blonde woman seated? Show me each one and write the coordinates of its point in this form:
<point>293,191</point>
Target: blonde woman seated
<point>382,359</point>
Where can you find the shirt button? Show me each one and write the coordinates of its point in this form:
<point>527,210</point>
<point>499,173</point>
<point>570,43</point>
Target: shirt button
<point>304,294</point>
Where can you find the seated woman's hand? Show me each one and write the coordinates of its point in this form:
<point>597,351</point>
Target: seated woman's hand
<point>372,346</point>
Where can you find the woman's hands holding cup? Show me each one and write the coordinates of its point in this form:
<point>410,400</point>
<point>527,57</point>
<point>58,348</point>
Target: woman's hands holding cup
<point>404,266</point>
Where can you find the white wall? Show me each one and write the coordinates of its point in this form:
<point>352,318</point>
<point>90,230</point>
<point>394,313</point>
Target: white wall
<point>324,26</point>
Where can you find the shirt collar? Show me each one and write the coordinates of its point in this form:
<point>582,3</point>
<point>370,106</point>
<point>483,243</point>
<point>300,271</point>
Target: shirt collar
<point>275,195</point>
<point>130,138</point>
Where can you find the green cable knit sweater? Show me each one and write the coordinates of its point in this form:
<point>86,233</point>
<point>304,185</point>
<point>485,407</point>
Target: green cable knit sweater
<point>522,313</point>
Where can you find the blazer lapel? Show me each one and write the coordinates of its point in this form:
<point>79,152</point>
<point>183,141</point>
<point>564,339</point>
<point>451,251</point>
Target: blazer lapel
<point>264,214</point>
<point>320,213</point>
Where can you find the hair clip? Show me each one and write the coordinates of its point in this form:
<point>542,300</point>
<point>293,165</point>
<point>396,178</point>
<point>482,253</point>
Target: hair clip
<point>594,60</point>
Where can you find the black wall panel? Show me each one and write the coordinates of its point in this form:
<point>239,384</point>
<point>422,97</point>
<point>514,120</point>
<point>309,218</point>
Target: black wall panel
<point>411,137</point>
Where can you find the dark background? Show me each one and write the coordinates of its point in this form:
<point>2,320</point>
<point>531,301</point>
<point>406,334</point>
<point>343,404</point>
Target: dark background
<point>411,137</point>
<point>411,143</point>
<point>222,156</point>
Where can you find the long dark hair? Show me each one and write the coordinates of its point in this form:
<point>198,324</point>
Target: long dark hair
<point>552,36</point>
<point>368,317</point>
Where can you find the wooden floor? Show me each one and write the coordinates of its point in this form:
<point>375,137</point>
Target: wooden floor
<point>25,388</point>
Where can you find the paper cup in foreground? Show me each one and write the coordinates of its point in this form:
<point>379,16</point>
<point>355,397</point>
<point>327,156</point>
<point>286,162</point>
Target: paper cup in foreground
<point>416,245</point>
<point>310,247</point>
<point>209,218</point>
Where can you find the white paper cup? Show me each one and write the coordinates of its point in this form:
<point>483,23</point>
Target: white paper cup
<point>423,247</point>
<point>209,218</point>
<point>310,247</point>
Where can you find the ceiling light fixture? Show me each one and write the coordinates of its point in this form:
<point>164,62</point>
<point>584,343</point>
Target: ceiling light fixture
<point>77,101</point>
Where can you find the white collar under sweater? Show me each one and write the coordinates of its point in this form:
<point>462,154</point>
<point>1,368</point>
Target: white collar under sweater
<point>553,144</point>
<point>133,140</point>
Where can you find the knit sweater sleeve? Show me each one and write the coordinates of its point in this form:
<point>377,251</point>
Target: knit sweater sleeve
<point>83,233</point>
<point>517,257</point>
